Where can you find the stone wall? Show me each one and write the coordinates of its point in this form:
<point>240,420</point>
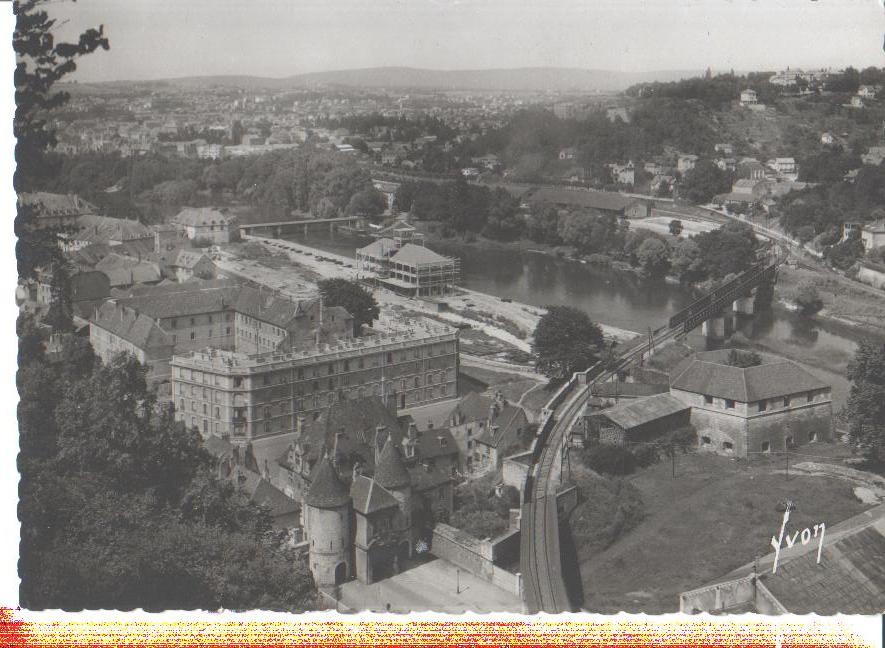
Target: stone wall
<point>718,597</point>
<point>478,556</point>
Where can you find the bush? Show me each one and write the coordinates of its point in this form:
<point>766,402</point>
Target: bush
<point>646,455</point>
<point>610,459</point>
<point>609,509</point>
<point>685,438</point>
<point>808,299</point>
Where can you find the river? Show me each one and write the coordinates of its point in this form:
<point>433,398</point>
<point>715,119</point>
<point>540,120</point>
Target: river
<point>623,300</point>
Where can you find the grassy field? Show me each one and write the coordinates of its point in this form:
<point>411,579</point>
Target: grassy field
<point>715,516</point>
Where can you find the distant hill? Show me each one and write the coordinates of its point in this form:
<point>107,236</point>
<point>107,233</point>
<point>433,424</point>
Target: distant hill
<point>527,79</point>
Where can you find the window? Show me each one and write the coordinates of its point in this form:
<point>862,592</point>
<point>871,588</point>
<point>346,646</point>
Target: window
<point>300,373</point>
<point>766,446</point>
<point>238,381</point>
<point>173,323</point>
<point>812,436</point>
<point>705,440</point>
<point>788,443</point>
<point>266,412</point>
<point>193,321</point>
<point>389,358</point>
<point>729,404</point>
<point>417,382</point>
<point>205,409</point>
<point>205,426</point>
<point>267,427</point>
<point>763,405</point>
<point>810,397</point>
<point>361,363</point>
<point>708,400</point>
<point>193,406</point>
<point>469,444</point>
<point>181,405</point>
<point>217,413</point>
<point>727,446</point>
<point>786,401</point>
<point>193,335</point>
<point>346,365</point>
<point>227,331</point>
<point>174,339</point>
<point>331,368</point>
<point>266,379</point>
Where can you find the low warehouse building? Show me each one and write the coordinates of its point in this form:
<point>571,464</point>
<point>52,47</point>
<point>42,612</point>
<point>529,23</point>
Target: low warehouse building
<point>743,411</point>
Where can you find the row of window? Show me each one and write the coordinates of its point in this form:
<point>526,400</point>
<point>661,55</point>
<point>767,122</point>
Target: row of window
<point>765,446</point>
<point>173,323</point>
<point>763,405</point>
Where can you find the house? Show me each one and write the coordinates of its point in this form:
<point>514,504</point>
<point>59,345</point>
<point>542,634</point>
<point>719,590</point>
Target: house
<point>873,156</point>
<point>238,467</point>
<point>726,164</point>
<point>568,153</point>
<point>388,190</point>
<point>125,271</point>
<point>827,139</point>
<point>638,420</point>
<point>751,168</point>
<point>54,210</point>
<point>873,234</point>
<point>485,429</point>
<point>92,228</point>
<point>856,102</point>
<point>836,571</point>
<point>686,162</point>
<point>753,410</point>
<point>620,112</point>
<point>749,97</point>
<point>866,92</point>
<point>185,264</point>
<point>623,173</point>
<point>783,165</point>
<point>204,224</point>
<point>389,158</point>
<point>724,149</point>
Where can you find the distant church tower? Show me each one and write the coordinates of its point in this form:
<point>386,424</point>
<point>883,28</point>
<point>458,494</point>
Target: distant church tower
<point>328,527</point>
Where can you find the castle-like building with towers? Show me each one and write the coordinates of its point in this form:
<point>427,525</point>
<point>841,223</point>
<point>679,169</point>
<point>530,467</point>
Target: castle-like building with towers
<point>367,530</point>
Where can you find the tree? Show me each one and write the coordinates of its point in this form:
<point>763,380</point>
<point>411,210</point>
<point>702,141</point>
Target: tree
<point>654,258</point>
<point>704,181</point>
<point>610,459</point>
<point>865,409</point>
<point>368,202</point>
<point>807,298</point>
<point>728,250</point>
<point>542,225</point>
<point>686,261</point>
<point>41,63</point>
<point>353,298</point>
<point>565,341</point>
<point>675,227</point>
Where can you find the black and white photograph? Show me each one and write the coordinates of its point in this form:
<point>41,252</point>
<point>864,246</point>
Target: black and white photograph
<point>486,306</point>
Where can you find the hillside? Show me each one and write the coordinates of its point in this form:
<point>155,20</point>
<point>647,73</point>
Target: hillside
<point>525,79</point>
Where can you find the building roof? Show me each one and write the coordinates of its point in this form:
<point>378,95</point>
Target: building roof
<point>603,200</point>
<point>707,373</point>
<point>427,475</point>
<point>130,325</point>
<point>326,488</point>
<point>201,217</point>
<point>437,442</point>
<point>100,229</point>
<point>379,248</point>
<point>142,272</point>
<point>415,255</point>
<point>182,299</point>
<point>850,577</point>
<point>358,420</point>
<point>390,471</point>
<point>53,205</point>
<point>645,410</point>
<point>268,307</point>
<point>368,496</point>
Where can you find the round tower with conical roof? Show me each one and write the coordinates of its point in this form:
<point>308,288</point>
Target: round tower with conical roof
<point>391,473</point>
<point>328,515</point>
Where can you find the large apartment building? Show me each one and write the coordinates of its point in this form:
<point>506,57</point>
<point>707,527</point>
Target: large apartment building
<point>244,396</point>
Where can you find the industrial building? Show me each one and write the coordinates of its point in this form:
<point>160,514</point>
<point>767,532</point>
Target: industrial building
<point>407,268</point>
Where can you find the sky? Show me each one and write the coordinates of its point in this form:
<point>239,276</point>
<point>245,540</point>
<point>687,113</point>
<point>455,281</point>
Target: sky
<point>153,39</point>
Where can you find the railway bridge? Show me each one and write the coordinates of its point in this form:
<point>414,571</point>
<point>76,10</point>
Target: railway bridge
<point>544,588</point>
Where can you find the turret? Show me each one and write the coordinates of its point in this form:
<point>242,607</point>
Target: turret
<point>391,474</point>
<point>328,526</point>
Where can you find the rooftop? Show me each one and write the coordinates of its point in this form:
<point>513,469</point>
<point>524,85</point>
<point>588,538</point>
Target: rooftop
<point>641,411</point>
<point>603,200</point>
<point>708,373</point>
<point>201,216</point>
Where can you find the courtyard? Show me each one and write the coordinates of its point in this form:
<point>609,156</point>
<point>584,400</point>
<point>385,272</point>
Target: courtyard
<point>437,585</point>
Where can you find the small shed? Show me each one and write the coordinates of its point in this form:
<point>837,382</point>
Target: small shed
<point>639,420</point>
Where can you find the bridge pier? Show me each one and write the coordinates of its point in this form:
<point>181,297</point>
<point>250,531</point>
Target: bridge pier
<point>744,305</point>
<point>305,231</point>
<point>714,327</point>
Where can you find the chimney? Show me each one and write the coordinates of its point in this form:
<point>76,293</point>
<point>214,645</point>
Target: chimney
<point>493,411</point>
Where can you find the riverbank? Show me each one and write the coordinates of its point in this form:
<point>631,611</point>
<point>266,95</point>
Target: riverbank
<point>294,268</point>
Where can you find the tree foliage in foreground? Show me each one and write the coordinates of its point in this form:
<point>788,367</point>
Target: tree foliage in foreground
<point>120,506</point>
<point>866,401</point>
<point>566,341</point>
